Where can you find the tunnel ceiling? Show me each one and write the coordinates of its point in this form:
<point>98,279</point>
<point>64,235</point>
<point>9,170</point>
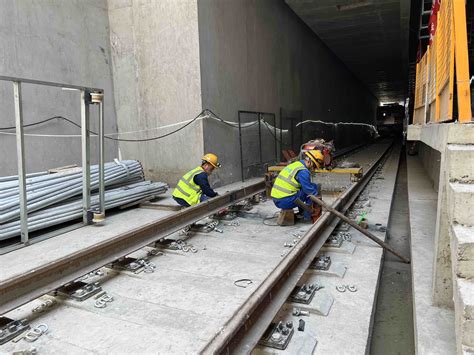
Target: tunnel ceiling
<point>369,36</point>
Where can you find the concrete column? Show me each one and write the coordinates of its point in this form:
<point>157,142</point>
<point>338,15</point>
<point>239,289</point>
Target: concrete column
<point>157,83</point>
<point>460,191</point>
<point>453,141</point>
<point>442,279</point>
<point>453,283</point>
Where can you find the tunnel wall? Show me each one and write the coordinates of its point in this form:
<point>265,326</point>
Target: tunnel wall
<point>59,41</point>
<point>257,55</point>
<point>155,51</point>
<point>431,160</point>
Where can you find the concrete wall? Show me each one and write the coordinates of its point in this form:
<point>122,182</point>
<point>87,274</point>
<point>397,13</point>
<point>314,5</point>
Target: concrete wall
<point>53,40</point>
<point>155,51</point>
<point>431,160</point>
<point>453,142</point>
<point>258,55</point>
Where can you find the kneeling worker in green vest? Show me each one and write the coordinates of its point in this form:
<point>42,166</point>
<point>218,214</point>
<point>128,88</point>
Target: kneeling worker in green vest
<point>294,182</point>
<point>194,186</point>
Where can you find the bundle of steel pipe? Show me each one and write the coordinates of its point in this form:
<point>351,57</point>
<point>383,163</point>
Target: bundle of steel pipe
<point>15,177</point>
<point>44,190</point>
<point>72,209</point>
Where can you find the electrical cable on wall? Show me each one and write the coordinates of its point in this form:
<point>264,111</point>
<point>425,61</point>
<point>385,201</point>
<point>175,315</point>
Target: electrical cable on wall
<point>108,137</point>
<point>203,114</point>
<point>31,124</point>
<point>274,136</point>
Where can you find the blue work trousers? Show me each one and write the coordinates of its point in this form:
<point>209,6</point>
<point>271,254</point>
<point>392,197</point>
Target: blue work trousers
<point>287,203</point>
<point>183,203</point>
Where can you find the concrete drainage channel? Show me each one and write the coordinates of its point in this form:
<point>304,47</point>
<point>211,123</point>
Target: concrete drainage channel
<point>138,294</point>
<point>393,322</point>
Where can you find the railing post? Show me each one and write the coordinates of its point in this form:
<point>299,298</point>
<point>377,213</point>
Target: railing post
<point>259,117</point>
<point>20,151</point>
<point>85,141</point>
<point>101,158</point>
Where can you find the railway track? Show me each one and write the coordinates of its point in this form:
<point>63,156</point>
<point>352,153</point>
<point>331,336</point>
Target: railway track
<point>243,324</point>
<point>244,330</point>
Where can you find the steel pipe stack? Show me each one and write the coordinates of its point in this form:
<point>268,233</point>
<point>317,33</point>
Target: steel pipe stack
<point>68,211</point>
<point>46,190</point>
<point>56,198</point>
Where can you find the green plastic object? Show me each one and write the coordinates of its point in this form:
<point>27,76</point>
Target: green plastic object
<point>361,217</point>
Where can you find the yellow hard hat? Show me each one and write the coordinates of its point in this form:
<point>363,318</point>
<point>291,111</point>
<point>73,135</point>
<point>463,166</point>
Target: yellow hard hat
<point>211,159</point>
<point>316,157</point>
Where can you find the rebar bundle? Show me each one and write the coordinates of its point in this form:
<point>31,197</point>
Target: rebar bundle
<point>47,190</point>
<point>72,209</point>
<point>56,198</point>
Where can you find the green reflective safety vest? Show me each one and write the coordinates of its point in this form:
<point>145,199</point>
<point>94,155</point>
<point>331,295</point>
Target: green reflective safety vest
<point>187,189</point>
<point>285,184</point>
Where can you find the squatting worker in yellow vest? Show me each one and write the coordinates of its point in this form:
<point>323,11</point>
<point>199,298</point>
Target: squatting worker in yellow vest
<point>194,186</point>
<point>294,182</point>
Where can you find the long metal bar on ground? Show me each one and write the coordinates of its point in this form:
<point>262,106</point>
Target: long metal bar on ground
<point>360,229</point>
<point>21,289</point>
<point>352,224</point>
<point>243,331</point>
<point>279,168</point>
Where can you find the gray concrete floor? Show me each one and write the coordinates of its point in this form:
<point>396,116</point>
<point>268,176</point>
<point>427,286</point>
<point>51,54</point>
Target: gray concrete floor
<point>346,328</point>
<point>393,324</point>
<point>191,296</point>
<point>434,326</point>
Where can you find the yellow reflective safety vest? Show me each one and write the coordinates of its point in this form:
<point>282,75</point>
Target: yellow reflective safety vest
<point>187,189</point>
<point>285,184</point>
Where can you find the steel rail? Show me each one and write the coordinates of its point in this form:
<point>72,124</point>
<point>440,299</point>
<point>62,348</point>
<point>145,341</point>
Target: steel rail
<point>243,331</point>
<point>21,289</point>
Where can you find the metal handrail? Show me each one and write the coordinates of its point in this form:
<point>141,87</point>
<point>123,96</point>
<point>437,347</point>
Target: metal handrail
<point>88,96</point>
<point>50,83</point>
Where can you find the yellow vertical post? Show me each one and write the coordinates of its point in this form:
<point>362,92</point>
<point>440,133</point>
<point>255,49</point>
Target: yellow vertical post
<point>432,82</point>
<point>417,92</point>
<point>462,61</point>
<point>438,63</point>
<point>427,87</point>
<point>451,64</point>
